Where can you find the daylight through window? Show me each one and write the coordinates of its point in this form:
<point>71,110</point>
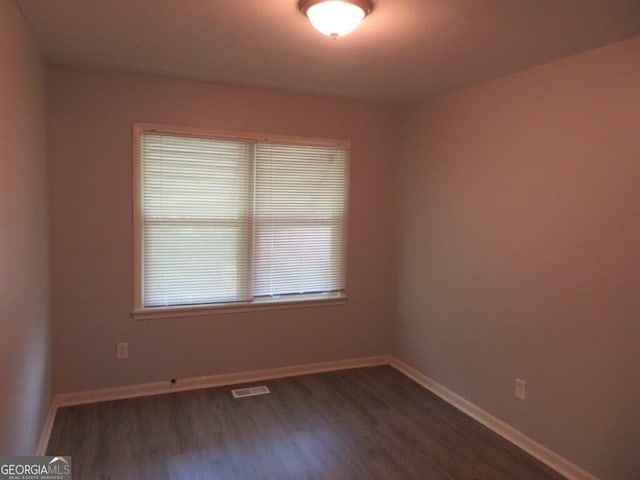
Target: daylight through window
<point>226,220</point>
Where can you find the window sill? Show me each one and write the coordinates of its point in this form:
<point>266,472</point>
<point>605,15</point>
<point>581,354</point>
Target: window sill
<point>302,301</point>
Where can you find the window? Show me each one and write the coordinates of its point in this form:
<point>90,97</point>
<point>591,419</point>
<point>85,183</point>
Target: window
<point>237,220</point>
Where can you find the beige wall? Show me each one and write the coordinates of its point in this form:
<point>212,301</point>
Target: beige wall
<point>24,239</point>
<point>517,246</point>
<point>90,130</point>
<point>520,252</point>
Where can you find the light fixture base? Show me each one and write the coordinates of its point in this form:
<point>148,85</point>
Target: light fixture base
<point>365,5</point>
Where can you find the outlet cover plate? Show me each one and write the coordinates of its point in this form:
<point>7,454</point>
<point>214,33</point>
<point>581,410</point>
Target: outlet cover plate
<point>122,350</point>
<point>521,389</point>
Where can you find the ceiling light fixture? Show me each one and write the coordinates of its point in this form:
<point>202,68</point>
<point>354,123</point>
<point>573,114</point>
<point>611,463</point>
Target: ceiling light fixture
<point>335,18</point>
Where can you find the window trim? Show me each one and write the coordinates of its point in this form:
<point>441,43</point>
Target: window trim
<point>310,300</point>
<point>139,312</point>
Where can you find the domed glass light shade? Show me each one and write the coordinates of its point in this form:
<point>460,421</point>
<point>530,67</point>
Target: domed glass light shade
<point>336,18</point>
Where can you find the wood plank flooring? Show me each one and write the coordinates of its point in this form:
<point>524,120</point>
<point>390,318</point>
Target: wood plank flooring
<point>368,423</point>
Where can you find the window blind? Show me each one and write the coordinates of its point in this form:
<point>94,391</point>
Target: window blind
<point>227,220</point>
<point>301,208</point>
<point>196,206</point>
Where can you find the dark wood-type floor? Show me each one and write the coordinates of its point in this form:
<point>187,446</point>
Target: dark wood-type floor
<point>368,423</point>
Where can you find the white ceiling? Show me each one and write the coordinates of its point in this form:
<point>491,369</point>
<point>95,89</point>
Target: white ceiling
<point>405,50</point>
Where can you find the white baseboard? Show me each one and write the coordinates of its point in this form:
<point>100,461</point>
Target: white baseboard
<point>194,383</point>
<point>46,429</point>
<point>519,439</point>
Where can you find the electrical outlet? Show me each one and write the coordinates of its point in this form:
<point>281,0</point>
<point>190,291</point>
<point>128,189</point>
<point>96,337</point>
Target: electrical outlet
<point>521,389</point>
<point>122,350</point>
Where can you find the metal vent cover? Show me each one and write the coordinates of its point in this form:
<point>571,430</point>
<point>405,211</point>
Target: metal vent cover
<point>250,391</point>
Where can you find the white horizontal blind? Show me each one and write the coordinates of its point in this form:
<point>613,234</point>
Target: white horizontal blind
<point>300,219</point>
<point>196,219</point>
<point>228,220</point>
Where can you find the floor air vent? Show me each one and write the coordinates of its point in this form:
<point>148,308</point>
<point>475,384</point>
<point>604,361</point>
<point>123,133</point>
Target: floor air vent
<point>250,391</point>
